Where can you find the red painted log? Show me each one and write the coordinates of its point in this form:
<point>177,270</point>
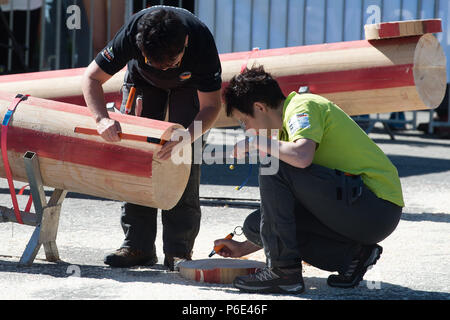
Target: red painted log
<point>361,77</point>
<point>125,171</point>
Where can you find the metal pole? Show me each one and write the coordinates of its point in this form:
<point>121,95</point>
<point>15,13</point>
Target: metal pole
<point>305,5</point>
<point>11,27</point>
<point>233,13</point>
<point>42,45</point>
<point>215,19</point>
<point>251,26</point>
<point>286,31</point>
<point>91,30</point>
<point>268,24</point>
<point>27,36</point>
<point>325,17</point>
<point>74,39</point>
<point>401,10</point>
<point>108,21</point>
<point>362,21</point>
<point>344,8</point>
<point>419,9</point>
<point>436,8</point>
<point>58,34</point>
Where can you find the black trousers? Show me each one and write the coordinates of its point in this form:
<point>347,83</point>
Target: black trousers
<point>306,215</point>
<point>181,224</point>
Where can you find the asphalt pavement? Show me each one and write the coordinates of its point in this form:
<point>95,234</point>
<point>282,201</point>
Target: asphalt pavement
<point>415,264</point>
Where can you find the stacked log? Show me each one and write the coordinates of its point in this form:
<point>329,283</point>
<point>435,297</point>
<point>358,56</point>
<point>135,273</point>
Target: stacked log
<point>361,77</point>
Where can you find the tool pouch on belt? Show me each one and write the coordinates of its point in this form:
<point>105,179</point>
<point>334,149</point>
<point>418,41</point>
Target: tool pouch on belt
<point>349,188</point>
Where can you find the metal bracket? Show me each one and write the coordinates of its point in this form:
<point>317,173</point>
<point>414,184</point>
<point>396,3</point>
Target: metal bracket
<point>46,218</point>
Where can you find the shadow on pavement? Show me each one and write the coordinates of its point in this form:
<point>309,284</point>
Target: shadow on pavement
<point>316,288</point>
<point>432,217</point>
<point>414,166</point>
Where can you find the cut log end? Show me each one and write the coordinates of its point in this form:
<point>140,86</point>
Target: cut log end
<point>430,75</point>
<point>218,270</point>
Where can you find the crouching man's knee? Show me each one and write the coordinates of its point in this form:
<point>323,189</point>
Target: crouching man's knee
<point>251,227</point>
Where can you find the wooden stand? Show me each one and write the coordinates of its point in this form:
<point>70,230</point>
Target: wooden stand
<point>46,218</point>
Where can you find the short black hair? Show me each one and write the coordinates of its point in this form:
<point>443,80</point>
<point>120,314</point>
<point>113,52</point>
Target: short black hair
<point>250,86</point>
<point>161,35</point>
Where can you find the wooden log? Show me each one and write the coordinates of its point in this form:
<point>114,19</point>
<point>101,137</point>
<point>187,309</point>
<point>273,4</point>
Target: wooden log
<point>217,270</point>
<point>124,171</point>
<point>362,77</point>
<point>397,29</point>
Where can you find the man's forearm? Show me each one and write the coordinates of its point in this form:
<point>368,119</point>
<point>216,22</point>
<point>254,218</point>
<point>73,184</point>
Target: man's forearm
<point>207,116</point>
<point>94,97</point>
<point>297,154</point>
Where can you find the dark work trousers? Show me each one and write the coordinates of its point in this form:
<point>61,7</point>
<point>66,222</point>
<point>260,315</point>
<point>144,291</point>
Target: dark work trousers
<point>312,215</point>
<point>181,224</point>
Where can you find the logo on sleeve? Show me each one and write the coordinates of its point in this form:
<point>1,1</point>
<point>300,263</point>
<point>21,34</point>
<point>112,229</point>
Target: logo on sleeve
<point>108,54</point>
<point>185,76</point>
<point>218,74</point>
<point>297,122</point>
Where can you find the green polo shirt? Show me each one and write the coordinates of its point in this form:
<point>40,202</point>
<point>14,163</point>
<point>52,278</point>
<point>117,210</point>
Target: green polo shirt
<point>342,144</point>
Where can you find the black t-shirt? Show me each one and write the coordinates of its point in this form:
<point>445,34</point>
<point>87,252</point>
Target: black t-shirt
<point>200,67</point>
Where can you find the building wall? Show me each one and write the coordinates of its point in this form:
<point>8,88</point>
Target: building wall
<point>240,25</point>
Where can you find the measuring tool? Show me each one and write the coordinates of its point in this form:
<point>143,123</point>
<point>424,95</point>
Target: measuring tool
<point>125,136</point>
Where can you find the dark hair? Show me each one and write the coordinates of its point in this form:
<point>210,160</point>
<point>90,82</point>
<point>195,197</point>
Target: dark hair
<point>250,86</point>
<point>161,35</point>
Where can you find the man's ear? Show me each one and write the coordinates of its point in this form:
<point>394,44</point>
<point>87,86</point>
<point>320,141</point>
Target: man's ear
<point>260,107</point>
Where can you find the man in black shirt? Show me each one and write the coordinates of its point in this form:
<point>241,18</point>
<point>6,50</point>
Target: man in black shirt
<point>171,58</point>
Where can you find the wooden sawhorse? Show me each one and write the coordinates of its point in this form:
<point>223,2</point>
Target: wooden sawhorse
<point>46,216</point>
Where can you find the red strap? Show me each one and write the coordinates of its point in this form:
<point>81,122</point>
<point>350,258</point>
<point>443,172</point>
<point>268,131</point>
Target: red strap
<point>30,198</point>
<point>4,131</point>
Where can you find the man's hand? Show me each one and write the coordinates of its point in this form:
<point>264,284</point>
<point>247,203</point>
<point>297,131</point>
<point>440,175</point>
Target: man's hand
<point>179,140</point>
<point>235,249</point>
<point>109,129</point>
<point>243,147</point>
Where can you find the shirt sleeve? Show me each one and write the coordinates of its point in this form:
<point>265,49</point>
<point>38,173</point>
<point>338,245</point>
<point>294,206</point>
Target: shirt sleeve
<point>305,122</point>
<point>117,53</point>
<point>209,73</point>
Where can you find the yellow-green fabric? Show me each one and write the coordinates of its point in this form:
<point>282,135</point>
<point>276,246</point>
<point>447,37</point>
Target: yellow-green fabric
<point>342,144</point>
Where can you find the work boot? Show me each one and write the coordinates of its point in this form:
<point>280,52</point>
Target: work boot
<point>272,280</point>
<point>172,262</point>
<point>129,257</point>
<point>355,272</point>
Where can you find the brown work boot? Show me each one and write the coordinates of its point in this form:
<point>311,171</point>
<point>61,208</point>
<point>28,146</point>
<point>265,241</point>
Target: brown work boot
<point>172,262</point>
<point>129,257</point>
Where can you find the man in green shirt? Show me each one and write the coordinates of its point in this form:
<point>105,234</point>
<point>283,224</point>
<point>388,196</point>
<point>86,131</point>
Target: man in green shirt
<point>333,198</point>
